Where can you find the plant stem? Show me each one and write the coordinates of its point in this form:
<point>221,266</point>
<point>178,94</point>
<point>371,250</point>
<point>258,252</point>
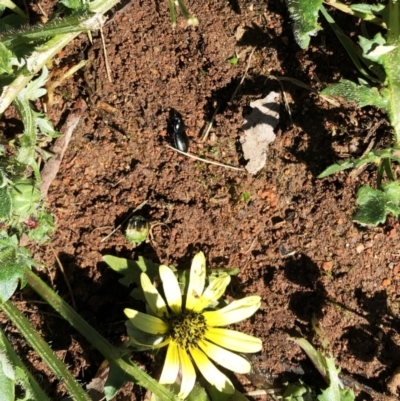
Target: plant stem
<point>46,353</point>
<point>111,353</point>
<point>392,66</point>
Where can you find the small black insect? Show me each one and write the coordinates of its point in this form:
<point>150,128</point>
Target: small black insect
<point>177,129</point>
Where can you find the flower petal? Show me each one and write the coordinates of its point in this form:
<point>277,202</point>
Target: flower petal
<point>213,292</point>
<point>153,297</point>
<point>233,340</point>
<point>225,358</point>
<point>210,372</point>
<point>171,365</point>
<point>171,289</point>
<point>197,280</point>
<point>150,346</point>
<point>147,323</point>
<point>188,374</point>
<point>234,312</point>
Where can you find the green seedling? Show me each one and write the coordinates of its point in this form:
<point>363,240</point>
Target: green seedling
<point>378,60</point>
<point>326,367</point>
<point>233,60</point>
<point>245,197</point>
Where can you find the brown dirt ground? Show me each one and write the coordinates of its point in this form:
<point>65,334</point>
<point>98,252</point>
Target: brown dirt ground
<point>293,239</point>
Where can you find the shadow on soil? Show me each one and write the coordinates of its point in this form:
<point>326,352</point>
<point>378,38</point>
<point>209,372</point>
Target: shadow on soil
<point>364,341</point>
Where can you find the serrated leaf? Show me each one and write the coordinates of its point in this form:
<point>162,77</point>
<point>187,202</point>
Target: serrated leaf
<point>377,9</point>
<point>372,206</point>
<point>335,391</point>
<point>304,14</point>
<point>392,191</point>
<point>5,60</point>
<point>374,49</point>
<point>13,261</point>
<point>362,95</point>
<point>7,378</point>
<point>5,204</point>
<point>35,89</point>
<point>335,168</point>
<point>326,366</point>
<point>45,126</point>
<point>317,358</point>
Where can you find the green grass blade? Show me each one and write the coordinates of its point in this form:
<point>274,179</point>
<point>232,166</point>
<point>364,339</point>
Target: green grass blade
<point>349,47</point>
<point>46,353</point>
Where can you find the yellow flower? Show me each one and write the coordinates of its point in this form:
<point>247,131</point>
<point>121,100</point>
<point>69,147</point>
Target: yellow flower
<point>192,333</point>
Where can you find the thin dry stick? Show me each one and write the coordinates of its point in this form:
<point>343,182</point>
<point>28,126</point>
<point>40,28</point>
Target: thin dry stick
<point>210,124</point>
<point>117,228</point>
<point>105,56</point>
<point>359,170</point>
<point>61,267</point>
<point>54,84</point>
<point>244,75</point>
<point>285,102</point>
<point>206,160</point>
<point>205,136</point>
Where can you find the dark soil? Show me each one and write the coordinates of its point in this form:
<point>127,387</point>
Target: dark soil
<point>291,234</point>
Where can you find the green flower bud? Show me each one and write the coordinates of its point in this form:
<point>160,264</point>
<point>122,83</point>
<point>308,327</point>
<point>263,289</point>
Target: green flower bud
<point>137,230</point>
<point>25,198</point>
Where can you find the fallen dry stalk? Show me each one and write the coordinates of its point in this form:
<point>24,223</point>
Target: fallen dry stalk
<point>51,168</point>
<point>206,160</point>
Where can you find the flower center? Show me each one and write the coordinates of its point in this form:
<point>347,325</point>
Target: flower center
<point>188,328</point>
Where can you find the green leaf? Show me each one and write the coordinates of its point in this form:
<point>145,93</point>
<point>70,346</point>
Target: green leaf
<point>374,49</point>
<point>362,95</point>
<point>372,206</point>
<point>376,204</point>
<point>216,395</point>
<point>304,14</point>
<point>76,5</point>
<point>116,379</point>
<point>12,6</point>
<point>335,168</point>
<point>35,89</point>
<point>13,373</point>
<point>5,60</point>
<point>374,156</point>
<point>233,60</point>
<point>13,260</point>
<point>298,392</point>
<point>45,226</point>
<point>5,203</point>
<point>326,367</point>
<point>25,198</point>
<point>45,126</point>
<point>131,270</point>
<point>7,376</point>
<point>376,9</point>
